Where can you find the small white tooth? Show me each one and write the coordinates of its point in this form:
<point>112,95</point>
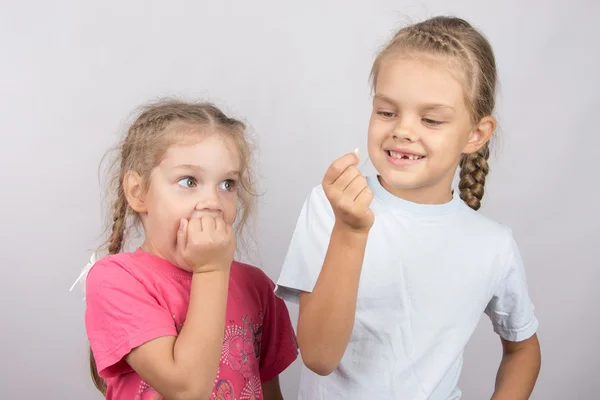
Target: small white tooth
<point>412,156</point>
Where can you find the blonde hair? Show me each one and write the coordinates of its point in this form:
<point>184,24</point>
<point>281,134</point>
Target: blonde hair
<point>143,147</point>
<point>459,42</point>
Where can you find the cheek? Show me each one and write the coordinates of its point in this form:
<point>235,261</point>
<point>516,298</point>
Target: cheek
<point>229,204</point>
<point>375,135</point>
<point>445,145</point>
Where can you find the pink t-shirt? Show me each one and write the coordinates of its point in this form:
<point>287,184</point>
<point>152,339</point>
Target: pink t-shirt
<point>133,298</point>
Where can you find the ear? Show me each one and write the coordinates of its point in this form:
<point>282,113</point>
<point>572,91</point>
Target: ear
<point>134,191</point>
<point>480,135</point>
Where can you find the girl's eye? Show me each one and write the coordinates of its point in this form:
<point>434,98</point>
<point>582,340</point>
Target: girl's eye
<point>228,185</point>
<point>430,121</point>
<point>386,114</point>
<point>187,182</point>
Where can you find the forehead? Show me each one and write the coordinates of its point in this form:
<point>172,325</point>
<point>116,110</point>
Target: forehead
<point>420,79</point>
<point>208,150</point>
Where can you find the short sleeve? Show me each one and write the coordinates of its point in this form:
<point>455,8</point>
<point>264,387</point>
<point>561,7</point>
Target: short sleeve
<point>120,315</point>
<point>511,309</point>
<point>279,347</point>
<point>308,247</point>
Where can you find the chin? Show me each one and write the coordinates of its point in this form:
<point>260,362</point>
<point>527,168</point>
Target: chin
<point>402,180</point>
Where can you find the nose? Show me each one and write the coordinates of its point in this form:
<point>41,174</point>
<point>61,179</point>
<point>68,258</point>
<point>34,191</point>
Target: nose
<point>403,132</point>
<point>209,203</point>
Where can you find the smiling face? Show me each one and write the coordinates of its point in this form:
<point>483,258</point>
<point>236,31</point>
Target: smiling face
<point>197,176</point>
<point>419,128</point>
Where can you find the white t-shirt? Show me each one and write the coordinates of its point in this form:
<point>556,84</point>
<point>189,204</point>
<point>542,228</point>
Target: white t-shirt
<point>429,274</point>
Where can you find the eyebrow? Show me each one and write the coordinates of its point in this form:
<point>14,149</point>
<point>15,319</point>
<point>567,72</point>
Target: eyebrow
<point>199,168</point>
<point>427,107</point>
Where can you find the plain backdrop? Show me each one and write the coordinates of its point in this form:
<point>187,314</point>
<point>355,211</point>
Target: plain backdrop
<point>71,73</point>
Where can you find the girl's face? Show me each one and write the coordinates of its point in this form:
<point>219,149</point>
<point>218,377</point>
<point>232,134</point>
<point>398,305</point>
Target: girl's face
<point>194,179</point>
<point>420,125</point>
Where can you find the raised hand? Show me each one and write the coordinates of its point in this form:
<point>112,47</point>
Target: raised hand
<point>349,194</point>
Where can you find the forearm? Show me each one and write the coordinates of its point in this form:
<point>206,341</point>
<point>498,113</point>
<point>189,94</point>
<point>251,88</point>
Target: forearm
<point>327,316</point>
<point>518,373</point>
<point>198,347</point>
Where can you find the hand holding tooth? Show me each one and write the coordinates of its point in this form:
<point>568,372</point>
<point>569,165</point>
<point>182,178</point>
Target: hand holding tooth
<point>349,194</point>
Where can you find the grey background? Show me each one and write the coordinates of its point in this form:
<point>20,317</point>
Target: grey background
<point>71,72</point>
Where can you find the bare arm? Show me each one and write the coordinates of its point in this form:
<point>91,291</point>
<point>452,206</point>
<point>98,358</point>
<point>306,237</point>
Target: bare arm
<point>327,313</point>
<point>185,367</point>
<point>271,390</point>
<point>518,370</point>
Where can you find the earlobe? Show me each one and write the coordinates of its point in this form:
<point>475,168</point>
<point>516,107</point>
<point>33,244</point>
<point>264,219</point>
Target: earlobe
<point>133,189</point>
<point>481,135</point>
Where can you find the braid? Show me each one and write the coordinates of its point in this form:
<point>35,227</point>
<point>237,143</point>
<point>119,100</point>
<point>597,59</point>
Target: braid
<point>98,381</point>
<point>115,244</point>
<point>117,237</point>
<point>473,170</point>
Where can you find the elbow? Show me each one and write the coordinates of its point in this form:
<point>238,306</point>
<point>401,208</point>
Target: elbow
<point>317,356</point>
<point>318,362</point>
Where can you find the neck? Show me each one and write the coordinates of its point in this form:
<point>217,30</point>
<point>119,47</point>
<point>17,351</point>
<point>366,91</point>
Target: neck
<point>433,194</point>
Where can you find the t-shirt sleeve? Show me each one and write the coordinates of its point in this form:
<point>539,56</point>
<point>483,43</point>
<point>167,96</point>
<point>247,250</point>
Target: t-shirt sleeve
<point>120,315</point>
<point>279,347</point>
<point>511,309</point>
<point>308,246</point>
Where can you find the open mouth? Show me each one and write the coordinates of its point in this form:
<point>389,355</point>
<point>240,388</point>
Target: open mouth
<point>403,156</point>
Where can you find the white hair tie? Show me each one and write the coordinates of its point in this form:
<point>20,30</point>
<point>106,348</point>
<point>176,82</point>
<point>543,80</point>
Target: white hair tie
<point>84,273</point>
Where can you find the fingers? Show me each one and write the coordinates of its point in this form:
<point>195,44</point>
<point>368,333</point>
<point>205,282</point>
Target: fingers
<point>182,235</point>
<point>347,198</point>
<point>356,187</point>
<point>339,166</point>
<point>208,224</point>
<point>364,199</point>
<point>220,225</point>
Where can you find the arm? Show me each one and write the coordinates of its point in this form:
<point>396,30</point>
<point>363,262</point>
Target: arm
<point>518,370</point>
<point>185,367</point>
<point>327,313</point>
<point>271,390</point>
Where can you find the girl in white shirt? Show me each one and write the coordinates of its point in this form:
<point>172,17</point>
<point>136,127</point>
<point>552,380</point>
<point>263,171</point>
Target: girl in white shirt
<point>393,272</point>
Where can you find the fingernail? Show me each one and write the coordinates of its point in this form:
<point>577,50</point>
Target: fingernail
<point>356,151</point>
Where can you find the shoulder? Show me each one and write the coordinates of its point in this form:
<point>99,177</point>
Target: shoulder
<point>252,278</point>
<point>486,230</point>
<point>250,272</point>
<point>110,266</point>
<point>121,270</point>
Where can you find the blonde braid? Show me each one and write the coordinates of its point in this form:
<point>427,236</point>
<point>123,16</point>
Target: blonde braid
<point>473,170</point>
<point>117,236</point>
<point>114,244</point>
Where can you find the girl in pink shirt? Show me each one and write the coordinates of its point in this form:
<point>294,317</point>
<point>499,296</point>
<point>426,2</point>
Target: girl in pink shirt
<point>178,318</point>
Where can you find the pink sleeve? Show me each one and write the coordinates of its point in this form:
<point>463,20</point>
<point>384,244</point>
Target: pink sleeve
<point>279,347</point>
<point>120,315</point>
